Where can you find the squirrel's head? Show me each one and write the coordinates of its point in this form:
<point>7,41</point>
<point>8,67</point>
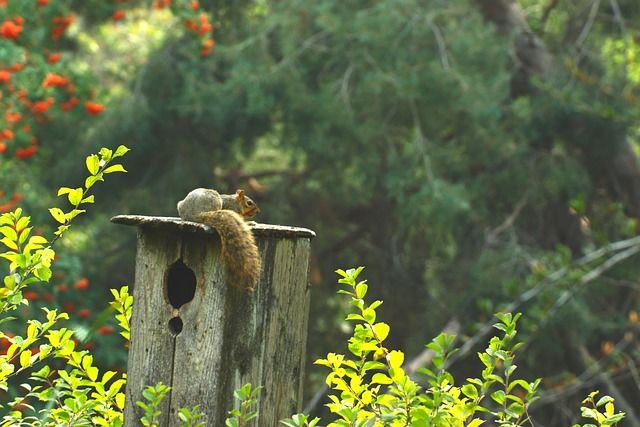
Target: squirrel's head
<point>248,207</point>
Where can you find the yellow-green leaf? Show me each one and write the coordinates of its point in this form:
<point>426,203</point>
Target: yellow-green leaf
<point>32,331</point>
<point>22,223</point>
<point>121,151</point>
<point>106,154</point>
<point>45,349</point>
<point>369,315</point>
<point>9,232</point>
<point>37,240</point>
<point>93,164</point>
<point>9,243</point>
<point>380,378</point>
<point>381,330</point>
<point>12,350</point>
<point>609,409</point>
<point>87,361</point>
<point>64,190</point>
<point>23,235</point>
<point>396,358</point>
<point>57,214</point>
<point>25,358</point>
<point>120,400</point>
<point>46,256</point>
<point>75,196</point>
<point>115,168</point>
<point>93,372</point>
<point>54,338</point>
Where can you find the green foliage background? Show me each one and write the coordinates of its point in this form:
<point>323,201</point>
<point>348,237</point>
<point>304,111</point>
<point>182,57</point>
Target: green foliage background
<point>392,128</point>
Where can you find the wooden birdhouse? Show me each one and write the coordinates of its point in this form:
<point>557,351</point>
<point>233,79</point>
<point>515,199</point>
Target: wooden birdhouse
<point>204,338</point>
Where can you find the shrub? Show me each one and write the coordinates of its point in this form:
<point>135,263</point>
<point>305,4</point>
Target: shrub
<point>371,388</point>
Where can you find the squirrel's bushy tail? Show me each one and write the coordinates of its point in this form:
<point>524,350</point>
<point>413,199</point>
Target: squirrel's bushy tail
<point>239,251</point>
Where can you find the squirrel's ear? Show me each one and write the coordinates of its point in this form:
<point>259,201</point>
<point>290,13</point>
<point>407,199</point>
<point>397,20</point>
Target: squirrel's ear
<point>240,194</point>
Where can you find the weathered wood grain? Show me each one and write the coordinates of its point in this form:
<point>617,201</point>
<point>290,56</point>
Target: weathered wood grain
<point>175,223</point>
<point>228,337</point>
<point>150,315</point>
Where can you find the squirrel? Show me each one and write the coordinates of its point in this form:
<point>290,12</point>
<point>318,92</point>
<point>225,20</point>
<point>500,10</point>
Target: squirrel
<point>226,213</point>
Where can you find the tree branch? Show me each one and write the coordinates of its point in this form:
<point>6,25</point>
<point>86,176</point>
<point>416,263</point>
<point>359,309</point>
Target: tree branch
<point>632,247</point>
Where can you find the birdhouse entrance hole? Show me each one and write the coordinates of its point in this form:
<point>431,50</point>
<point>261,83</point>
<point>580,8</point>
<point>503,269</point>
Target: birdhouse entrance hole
<point>181,284</point>
<point>175,325</point>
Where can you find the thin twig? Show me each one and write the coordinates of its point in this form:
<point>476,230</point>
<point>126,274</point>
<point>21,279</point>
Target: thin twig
<point>582,37</point>
<point>586,278</point>
<point>552,279</point>
<point>623,30</point>
<point>585,380</point>
<point>420,141</point>
<point>308,43</point>
<point>633,369</point>
<point>442,47</point>
<point>315,400</point>
<point>344,87</point>
<point>508,222</point>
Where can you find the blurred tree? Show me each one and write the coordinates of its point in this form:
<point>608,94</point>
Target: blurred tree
<point>465,151</point>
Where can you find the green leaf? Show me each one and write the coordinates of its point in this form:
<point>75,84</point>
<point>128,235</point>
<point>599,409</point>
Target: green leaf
<point>93,164</point>
<point>22,223</point>
<point>9,233</point>
<point>58,215</point>
<point>6,219</point>
<point>381,378</point>
<point>74,213</point>
<point>498,396</point>
<point>115,168</point>
<point>106,154</point>
<point>470,391</point>
<point>510,370</point>
<point>604,400</point>
<point>38,240</point>
<point>369,315</point>
<point>9,243</point>
<point>107,376</point>
<point>11,256</point>
<point>396,359</point>
<point>381,330</point>
<point>120,399</point>
<point>522,383</point>
<point>75,196</point>
<point>24,234</point>
<point>43,273</point>
<point>613,419</point>
<point>25,358</point>
<point>92,373</point>
<point>32,330</point>
<point>121,151</point>
<point>361,290</point>
<point>375,304</point>
<point>88,183</point>
<point>87,361</point>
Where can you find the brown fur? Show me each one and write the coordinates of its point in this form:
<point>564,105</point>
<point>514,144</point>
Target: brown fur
<point>239,251</point>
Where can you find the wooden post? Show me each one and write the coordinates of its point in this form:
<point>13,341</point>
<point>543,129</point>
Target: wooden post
<point>193,332</point>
